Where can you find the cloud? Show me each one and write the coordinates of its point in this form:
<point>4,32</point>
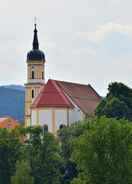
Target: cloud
<point>116,2</point>
<point>104,30</point>
<point>117,44</point>
<point>111,39</point>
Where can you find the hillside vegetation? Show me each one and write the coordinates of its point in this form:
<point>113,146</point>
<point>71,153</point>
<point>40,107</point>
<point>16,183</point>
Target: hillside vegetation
<point>12,102</point>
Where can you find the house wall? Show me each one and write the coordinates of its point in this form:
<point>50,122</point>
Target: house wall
<point>45,117</point>
<point>61,117</point>
<point>75,115</point>
<point>54,117</point>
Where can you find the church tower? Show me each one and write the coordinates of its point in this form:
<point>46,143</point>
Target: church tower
<point>35,76</point>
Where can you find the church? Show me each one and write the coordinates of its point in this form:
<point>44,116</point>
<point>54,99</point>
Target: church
<point>55,103</point>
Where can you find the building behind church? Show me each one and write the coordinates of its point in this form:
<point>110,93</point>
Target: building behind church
<point>55,103</point>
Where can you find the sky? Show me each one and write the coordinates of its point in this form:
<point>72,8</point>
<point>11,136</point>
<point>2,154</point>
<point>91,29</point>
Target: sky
<point>84,41</point>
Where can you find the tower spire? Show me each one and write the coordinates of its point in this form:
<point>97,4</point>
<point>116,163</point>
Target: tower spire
<point>35,39</point>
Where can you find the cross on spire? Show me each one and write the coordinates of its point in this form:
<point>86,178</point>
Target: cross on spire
<point>35,20</point>
<point>35,39</point>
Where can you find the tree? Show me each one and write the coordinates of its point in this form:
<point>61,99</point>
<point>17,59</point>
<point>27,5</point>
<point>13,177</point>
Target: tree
<point>66,136</point>
<point>103,153</point>
<point>9,154</point>
<point>23,173</point>
<point>118,102</point>
<point>44,157</point>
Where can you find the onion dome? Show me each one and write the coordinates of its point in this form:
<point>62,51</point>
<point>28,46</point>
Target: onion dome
<point>35,53</point>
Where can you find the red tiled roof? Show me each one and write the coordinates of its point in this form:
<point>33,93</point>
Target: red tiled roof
<point>65,94</point>
<point>8,122</point>
<point>84,96</point>
<point>3,119</point>
<point>51,96</point>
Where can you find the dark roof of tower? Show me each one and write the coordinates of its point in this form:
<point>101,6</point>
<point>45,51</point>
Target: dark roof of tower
<point>35,53</point>
<point>35,39</point>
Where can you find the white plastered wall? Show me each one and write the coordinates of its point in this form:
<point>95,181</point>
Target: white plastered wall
<point>75,115</point>
<point>61,117</point>
<point>54,117</point>
<point>45,118</point>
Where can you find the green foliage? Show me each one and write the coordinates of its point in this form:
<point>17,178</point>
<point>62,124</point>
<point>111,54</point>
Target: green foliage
<point>81,179</point>
<point>44,156</point>
<point>94,151</point>
<point>119,89</point>
<point>9,154</point>
<point>23,173</point>
<point>66,136</point>
<point>103,152</point>
<point>118,102</point>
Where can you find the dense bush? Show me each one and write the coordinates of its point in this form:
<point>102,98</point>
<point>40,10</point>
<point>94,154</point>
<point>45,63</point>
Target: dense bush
<point>118,102</point>
<point>94,151</point>
<point>103,153</point>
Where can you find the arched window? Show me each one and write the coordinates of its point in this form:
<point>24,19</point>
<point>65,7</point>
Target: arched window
<point>33,93</point>
<point>45,127</point>
<point>33,74</point>
<point>62,126</point>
